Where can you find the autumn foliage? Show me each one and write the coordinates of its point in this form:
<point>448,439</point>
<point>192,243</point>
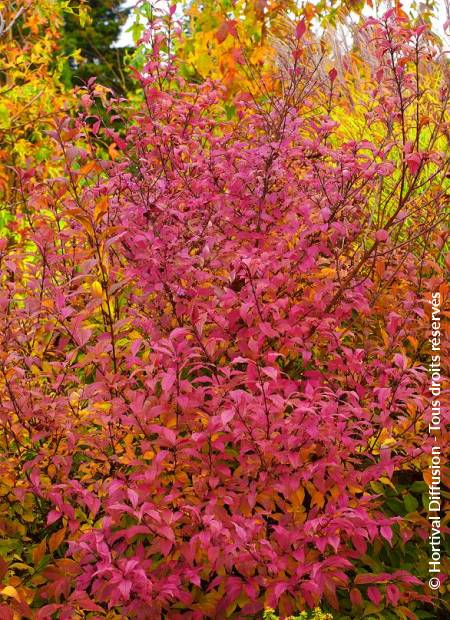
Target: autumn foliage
<point>214,323</point>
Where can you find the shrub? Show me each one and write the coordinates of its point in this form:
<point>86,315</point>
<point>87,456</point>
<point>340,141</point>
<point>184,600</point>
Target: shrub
<point>211,389</point>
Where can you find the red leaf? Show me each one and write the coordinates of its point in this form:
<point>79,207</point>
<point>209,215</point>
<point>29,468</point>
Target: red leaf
<point>355,597</point>
<point>226,28</point>
<point>413,162</point>
<point>332,74</point>
<point>300,29</point>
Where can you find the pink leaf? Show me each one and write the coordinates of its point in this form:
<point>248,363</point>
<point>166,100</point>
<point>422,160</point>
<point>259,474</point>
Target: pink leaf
<point>374,595</point>
<point>53,516</point>
<point>271,372</point>
<point>134,497</point>
<point>386,532</point>
<point>227,416</point>
<point>125,589</point>
<point>381,235</point>
<point>169,436</point>
<point>168,380</point>
<point>400,361</point>
<point>279,589</point>
<point>392,594</point>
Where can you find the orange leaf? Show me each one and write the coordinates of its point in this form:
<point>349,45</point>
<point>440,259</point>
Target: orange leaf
<point>56,539</point>
<point>101,207</point>
<point>39,551</point>
<point>113,152</point>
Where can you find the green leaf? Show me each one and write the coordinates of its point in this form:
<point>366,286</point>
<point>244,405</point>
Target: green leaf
<point>4,116</point>
<point>396,506</point>
<point>419,486</point>
<point>411,504</point>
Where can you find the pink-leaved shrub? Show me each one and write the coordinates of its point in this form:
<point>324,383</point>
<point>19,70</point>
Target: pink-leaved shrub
<point>213,333</point>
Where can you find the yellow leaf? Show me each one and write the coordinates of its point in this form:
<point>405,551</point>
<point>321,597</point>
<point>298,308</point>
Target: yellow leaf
<point>97,289</point>
<point>385,338</point>
<point>386,480</point>
<point>35,370</point>
<point>11,592</point>
<point>388,443</point>
<point>46,367</point>
<point>84,17</point>
<point>208,602</point>
<point>109,307</point>
<point>21,566</point>
<point>103,406</point>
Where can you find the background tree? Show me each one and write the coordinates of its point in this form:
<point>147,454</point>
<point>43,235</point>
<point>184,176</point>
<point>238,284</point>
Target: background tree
<point>96,42</point>
<point>31,92</point>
